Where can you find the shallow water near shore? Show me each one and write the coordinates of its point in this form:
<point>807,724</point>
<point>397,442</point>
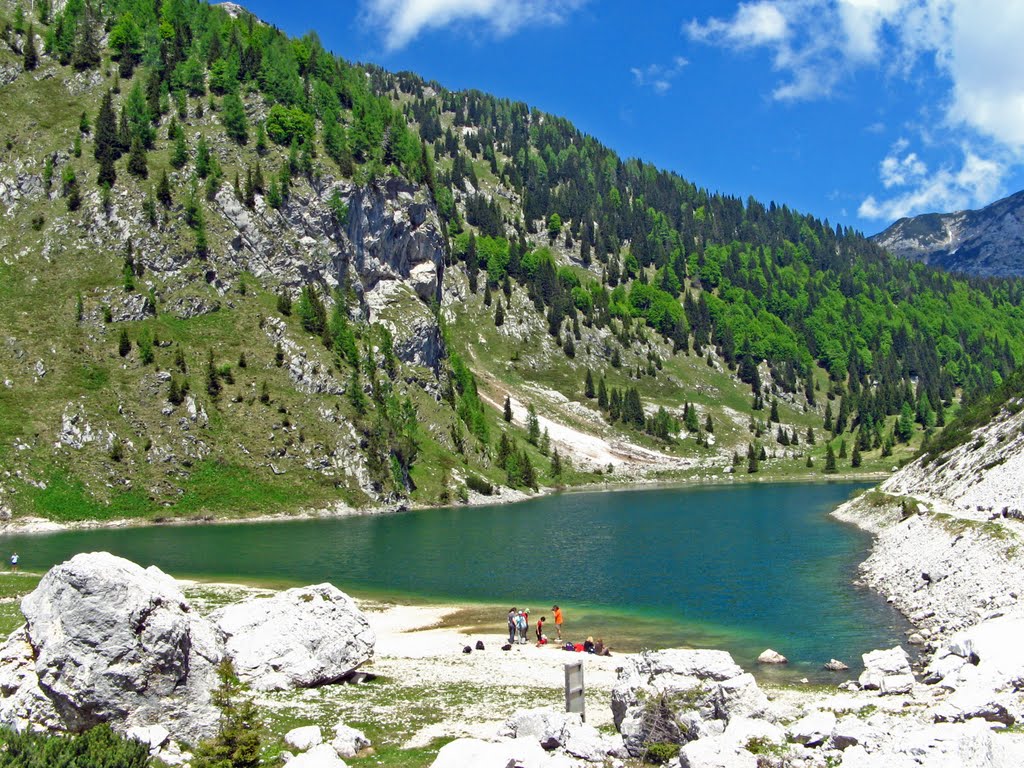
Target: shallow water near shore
<point>739,568</point>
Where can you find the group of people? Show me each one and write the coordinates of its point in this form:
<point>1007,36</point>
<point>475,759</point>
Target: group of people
<point>519,625</point>
<point>519,628</point>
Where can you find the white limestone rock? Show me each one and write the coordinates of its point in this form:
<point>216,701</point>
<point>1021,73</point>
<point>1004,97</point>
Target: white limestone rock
<point>111,642</point>
<point>304,738</point>
<point>298,638</point>
<point>813,729</point>
<point>348,741</point>
<point>715,753</point>
<point>883,663</point>
<point>320,756</point>
<point>521,753</point>
<point>770,656</point>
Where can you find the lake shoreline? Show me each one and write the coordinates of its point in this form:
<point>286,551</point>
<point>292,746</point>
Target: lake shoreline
<point>507,497</point>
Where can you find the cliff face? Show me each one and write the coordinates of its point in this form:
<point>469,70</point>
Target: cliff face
<point>987,242</point>
<point>950,531</point>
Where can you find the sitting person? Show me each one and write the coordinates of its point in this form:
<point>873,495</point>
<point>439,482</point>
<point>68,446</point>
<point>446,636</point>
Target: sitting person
<point>600,650</point>
<point>588,645</point>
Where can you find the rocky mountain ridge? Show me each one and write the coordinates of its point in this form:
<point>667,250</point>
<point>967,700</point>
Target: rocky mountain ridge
<point>988,242</point>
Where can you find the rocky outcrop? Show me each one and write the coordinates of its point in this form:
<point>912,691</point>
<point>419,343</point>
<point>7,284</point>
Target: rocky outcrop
<point>299,638</point>
<point>562,731</point>
<point>681,695</point>
<point>108,641</point>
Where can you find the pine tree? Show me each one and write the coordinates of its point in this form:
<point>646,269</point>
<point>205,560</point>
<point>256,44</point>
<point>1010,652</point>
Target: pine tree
<point>810,462</point>
<point>774,416</point>
<point>556,464</point>
<point>709,425</point>
<point>87,49</point>
<point>842,449</point>
<point>810,436</point>
<point>30,57</point>
<point>179,155</point>
<point>752,461</point>
<point>602,395</point>
<point>237,743</point>
<point>532,425</point>
<point>499,315</point>
<point>124,344</point>
<point>284,303</point>
<point>163,191</point>
<point>830,460</point>
<point>137,165</point>
<point>588,385</point>
<point>213,386</point>
<point>828,417</point>
<point>855,459</point>
<point>508,409</point>
<point>233,118</point>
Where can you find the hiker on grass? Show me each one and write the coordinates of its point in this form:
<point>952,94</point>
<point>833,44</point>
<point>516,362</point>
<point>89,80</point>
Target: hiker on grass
<point>520,628</point>
<point>14,561</point>
<point>512,625</point>
<point>558,620</point>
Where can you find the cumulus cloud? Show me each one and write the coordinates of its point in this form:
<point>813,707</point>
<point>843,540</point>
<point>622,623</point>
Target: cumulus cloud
<point>659,77</point>
<point>973,44</point>
<point>976,180</point>
<point>401,21</point>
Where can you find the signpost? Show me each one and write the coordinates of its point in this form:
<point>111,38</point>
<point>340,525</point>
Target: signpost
<point>575,698</point>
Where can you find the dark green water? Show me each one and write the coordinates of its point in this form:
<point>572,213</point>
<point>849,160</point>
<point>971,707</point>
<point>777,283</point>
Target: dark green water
<point>740,568</point>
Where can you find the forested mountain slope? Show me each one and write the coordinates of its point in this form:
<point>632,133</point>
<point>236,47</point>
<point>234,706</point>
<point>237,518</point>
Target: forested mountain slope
<point>240,274</point>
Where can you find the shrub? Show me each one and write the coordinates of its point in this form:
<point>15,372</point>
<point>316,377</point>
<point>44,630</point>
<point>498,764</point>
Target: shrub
<point>479,485</point>
<point>98,747</point>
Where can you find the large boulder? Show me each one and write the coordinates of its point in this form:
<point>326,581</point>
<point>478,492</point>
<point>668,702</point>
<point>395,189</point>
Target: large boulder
<point>320,756</point>
<point>878,665</point>
<point>108,641</point>
<point>299,638</point>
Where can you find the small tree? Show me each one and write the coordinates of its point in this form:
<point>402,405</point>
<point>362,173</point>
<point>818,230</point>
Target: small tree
<point>508,409</point>
<point>137,165</point>
<point>30,57</point>
<point>855,459</point>
<point>237,743</point>
<point>124,344</point>
<point>830,460</point>
<point>588,385</point>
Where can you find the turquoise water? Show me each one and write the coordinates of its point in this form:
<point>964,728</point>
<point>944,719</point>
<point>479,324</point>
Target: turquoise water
<point>740,568</point>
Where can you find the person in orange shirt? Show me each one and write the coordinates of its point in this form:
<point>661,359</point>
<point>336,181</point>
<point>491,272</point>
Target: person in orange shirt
<point>558,620</point>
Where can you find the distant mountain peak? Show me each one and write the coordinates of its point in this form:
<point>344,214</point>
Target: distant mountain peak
<point>988,242</point>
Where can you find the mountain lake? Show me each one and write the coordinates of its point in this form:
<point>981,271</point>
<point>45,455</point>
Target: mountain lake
<point>741,568</point>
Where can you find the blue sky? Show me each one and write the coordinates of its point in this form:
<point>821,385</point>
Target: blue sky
<point>859,111</point>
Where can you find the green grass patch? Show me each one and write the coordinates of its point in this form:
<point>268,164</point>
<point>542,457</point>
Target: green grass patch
<point>66,499</point>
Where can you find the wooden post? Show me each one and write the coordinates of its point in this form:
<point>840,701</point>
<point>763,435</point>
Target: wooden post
<point>575,696</point>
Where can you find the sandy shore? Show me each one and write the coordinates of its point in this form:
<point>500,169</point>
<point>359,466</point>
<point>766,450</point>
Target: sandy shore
<point>413,648</point>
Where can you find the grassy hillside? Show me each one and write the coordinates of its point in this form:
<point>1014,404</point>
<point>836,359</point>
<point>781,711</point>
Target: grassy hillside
<point>150,365</point>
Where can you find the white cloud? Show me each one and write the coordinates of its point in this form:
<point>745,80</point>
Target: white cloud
<point>754,24</point>
<point>973,44</point>
<point>977,181</point>
<point>659,77</point>
<point>401,21</point>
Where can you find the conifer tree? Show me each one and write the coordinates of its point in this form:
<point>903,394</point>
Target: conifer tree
<point>842,449</point>
<point>774,415</point>
<point>499,315</point>
<point>137,165</point>
<point>588,385</point>
<point>213,386</point>
<point>855,459</point>
<point>532,425</point>
<point>233,118</point>
<point>752,461</point>
<point>830,460</point>
<point>602,395</point>
<point>124,344</point>
<point>163,191</point>
<point>828,417</point>
<point>87,48</point>
<point>30,57</point>
<point>179,155</point>
<point>556,464</point>
<point>508,409</point>
<point>237,743</point>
